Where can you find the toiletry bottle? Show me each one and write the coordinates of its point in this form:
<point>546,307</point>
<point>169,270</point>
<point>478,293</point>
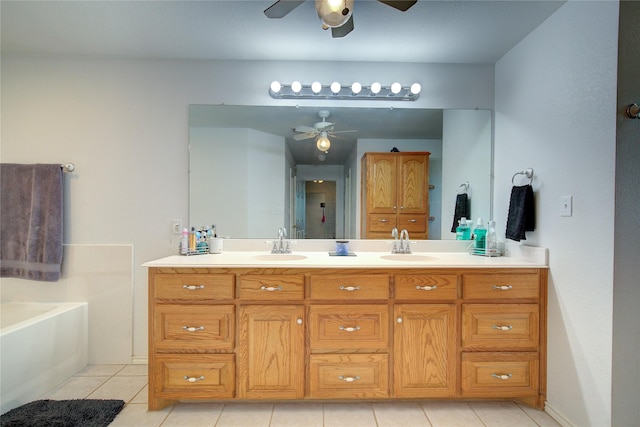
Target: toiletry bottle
<point>466,230</point>
<point>460,228</point>
<point>184,242</point>
<point>481,235</point>
<point>192,239</point>
<point>492,237</point>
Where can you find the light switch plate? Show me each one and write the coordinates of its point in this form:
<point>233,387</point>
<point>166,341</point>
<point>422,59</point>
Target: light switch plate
<point>566,206</point>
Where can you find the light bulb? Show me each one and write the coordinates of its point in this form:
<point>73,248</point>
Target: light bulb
<point>296,86</point>
<point>323,142</point>
<point>375,88</point>
<point>334,13</point>
<point>396,88</point>
<point>356,88</point>
<point>316,87</point>
<point>335,87</point>
<point>416,88</point>
<point>275,86</point>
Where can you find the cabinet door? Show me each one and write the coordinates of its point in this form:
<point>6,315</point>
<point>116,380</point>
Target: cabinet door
<point>381,183</point>
<point>271,357</point>
<point>424,350</point>
<point>413,178</point>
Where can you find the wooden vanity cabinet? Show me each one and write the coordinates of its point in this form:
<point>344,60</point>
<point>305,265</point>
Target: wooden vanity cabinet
<point>310,333</point>
<point>395,193</point>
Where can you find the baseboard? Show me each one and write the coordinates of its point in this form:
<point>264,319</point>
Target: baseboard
<point>557,415</point>
<point>139,360</point>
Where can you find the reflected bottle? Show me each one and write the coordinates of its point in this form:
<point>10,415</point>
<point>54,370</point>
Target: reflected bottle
<point>463,231</point>
<point>481,235</point>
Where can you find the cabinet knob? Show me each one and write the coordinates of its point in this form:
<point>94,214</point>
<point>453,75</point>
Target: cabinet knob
<point>193,328</point>
<point>399,320</point>
<point>193,379</point>
<point>349,379</point>
<point>502,376</point>
<point>192,287</point>
<point>349,328</point>
<point>426,288</point>
<point>299,321</point>
<point>502,288</point>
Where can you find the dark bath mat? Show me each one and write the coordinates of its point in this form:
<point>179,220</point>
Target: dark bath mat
<point>63,413</point>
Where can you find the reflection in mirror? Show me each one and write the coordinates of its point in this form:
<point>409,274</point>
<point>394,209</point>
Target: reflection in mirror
<point>249,175</point>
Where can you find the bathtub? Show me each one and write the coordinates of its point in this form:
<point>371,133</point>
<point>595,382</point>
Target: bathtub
<point>41,345</point>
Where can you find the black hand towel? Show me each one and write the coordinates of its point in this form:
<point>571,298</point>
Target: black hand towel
<point>522,213</point>
<point>461,210</point>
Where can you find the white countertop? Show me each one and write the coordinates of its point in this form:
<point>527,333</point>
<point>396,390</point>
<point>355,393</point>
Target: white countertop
<point>517,256</point>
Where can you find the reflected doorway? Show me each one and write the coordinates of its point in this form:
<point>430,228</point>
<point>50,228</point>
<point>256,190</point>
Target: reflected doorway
<point>320,209</point>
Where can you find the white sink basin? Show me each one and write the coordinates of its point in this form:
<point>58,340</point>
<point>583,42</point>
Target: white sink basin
<point>408,257</point>
<point>279,257</point>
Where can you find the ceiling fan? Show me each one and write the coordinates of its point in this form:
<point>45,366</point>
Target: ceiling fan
<point>320,130</point>
<point>334,14</point>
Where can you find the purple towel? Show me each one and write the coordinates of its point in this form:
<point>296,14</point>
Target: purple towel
<point>31,221</point>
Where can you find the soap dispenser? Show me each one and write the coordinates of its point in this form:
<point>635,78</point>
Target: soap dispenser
<point>481,235</point>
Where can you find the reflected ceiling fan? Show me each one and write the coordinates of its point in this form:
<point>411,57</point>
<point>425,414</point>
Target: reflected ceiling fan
<point>321,131</point>
<point>334,14</point>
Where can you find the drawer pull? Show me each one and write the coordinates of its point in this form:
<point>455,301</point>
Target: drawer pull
<point>383,220</point>
<point>349,328</point>
<point>193,379</point>
<point>427,288</point>
<point>270,288</point>
<point>193,287</point>
<point>349,288</point>
<point>413,220</point>
<point>502,288</point>
<point>193,328</point>
<point>501,377</point>
<point>349,379</point>
<point>502,328</point>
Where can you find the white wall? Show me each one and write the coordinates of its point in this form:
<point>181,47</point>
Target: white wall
<point>556,112</point>
<point>124,123</point>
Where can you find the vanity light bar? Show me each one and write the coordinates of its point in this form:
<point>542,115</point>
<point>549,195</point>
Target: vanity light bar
<point>316,90</point>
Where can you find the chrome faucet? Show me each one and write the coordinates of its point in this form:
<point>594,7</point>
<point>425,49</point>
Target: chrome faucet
<point>394,234</point>
<point>405,244</point>
<point>281,246</point>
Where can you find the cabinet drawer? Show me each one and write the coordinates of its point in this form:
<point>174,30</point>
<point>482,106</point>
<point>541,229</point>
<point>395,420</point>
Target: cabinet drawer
<point>413,223</point>
<point>500,326</point>
<point>191,287</point>
<point>426,287</point>
<point>350,287</point>
<point>270,287</point>
<point>349,376</point>
<point>347,327</point>
<point>383,223</point>
<point>500,374</point>
<point>500,286</point>
<point>194,376</point>
<point>196,327</point>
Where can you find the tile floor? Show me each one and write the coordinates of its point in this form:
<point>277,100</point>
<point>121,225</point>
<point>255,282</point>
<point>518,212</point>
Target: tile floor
<point>129,383</point>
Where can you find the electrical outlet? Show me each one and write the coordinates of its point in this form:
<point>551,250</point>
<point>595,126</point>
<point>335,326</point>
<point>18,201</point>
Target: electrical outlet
<point>176,226</point>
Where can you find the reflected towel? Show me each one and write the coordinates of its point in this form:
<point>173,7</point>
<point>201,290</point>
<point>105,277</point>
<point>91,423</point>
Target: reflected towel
<point>522,213</point>
<point>461,210</point>
<point>31,221</point>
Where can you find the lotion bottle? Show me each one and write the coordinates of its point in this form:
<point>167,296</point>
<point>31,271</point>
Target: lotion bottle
<point>184,242</point>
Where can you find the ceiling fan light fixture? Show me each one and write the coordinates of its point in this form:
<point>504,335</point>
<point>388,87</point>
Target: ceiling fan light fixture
<point>336,87</point>
<point>323,142</point>
<point>356,88</point>
<point>334,13</point>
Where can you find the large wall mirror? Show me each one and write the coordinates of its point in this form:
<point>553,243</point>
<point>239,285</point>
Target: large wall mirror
<point>253,169</point>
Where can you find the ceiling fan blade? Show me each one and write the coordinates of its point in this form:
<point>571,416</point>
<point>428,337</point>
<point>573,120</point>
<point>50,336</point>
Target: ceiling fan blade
<point>301,136</point>
<point>342,131</point>
<point>399,4</point>
<point>305,129</point>
<point>323,125</point>
<point>343,29</point>
<point>281,8</point>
